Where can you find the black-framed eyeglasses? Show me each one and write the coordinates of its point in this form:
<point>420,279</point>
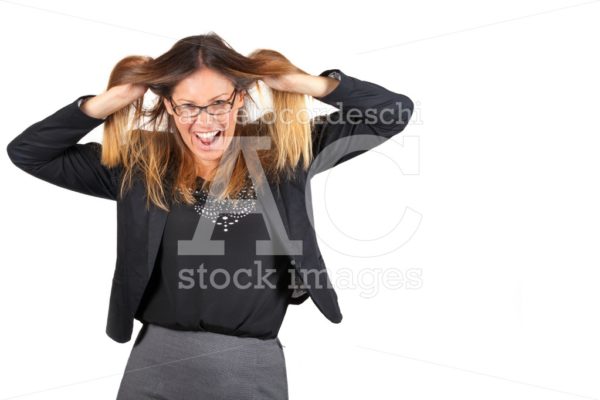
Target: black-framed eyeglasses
<point>219,107</point>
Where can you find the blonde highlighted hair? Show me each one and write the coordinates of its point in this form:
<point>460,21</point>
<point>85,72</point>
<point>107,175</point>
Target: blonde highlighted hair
<point>145,141</point>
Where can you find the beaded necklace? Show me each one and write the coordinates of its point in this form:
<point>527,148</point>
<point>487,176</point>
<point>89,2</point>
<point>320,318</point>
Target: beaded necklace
<point>212,208</point>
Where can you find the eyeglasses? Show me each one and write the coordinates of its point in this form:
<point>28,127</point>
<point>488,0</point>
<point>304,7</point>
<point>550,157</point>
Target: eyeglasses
<point>219,107</point>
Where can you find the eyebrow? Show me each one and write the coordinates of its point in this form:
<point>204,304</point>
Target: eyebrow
<point>190,101</point>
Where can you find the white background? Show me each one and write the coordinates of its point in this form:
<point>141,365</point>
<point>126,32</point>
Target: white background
<point>491,193</point>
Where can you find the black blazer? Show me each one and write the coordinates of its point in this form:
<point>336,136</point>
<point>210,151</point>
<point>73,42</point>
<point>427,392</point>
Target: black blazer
<point>49,150</point>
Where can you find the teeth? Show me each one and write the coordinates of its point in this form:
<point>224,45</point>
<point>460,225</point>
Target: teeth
<point>206,135</point>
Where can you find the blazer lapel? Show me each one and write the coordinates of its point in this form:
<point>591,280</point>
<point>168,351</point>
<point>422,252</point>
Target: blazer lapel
<point>282,204</point>
<point>157,218</point>
<point>292,208</point>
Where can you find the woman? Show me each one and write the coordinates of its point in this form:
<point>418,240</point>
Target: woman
<point>205,192</point>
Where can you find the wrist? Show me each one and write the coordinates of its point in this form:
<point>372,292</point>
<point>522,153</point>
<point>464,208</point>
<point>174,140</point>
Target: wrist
<point>103,104</point>
<point>315,86</point>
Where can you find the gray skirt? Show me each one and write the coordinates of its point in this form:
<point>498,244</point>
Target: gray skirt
<point>169,364</point>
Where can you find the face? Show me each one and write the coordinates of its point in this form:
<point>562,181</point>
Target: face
<point>204,87</point>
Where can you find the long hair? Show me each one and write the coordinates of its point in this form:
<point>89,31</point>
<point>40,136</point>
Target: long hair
<point>146,142</point>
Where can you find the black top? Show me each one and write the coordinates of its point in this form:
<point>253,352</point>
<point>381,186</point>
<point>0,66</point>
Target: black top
<point>203,292</point>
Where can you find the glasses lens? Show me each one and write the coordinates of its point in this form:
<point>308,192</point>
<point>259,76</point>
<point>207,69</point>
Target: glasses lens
<point>219,108</point>
<point>187,111</point>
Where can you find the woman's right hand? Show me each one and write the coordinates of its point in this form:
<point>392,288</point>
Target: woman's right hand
<point>129,92</point>
<point>113,99</point>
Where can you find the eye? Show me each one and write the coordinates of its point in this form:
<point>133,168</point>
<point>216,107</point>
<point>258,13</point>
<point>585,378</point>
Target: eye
<point>219,102</point>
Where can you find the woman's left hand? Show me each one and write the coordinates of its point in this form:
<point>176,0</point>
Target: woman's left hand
<point>284,82</point>
<point>315,86</point>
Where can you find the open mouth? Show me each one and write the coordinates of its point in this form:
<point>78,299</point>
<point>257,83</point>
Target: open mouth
<point>206,139</point>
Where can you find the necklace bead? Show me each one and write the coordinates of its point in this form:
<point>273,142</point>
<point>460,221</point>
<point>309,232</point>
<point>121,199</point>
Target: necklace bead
<point>214,209</point>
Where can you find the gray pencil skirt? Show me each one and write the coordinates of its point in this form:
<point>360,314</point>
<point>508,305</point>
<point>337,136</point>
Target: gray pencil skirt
<point>167,364</point>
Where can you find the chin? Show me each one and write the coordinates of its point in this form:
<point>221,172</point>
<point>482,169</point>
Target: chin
<point>208,157</point>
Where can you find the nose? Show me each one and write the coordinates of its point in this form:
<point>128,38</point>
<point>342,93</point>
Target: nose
<point>203,118</point>
<point>205,122</point>
<point>211,122</point>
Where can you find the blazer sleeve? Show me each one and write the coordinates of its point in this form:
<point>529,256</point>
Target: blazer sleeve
<point>367,115</point>
<point>49,150</point>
